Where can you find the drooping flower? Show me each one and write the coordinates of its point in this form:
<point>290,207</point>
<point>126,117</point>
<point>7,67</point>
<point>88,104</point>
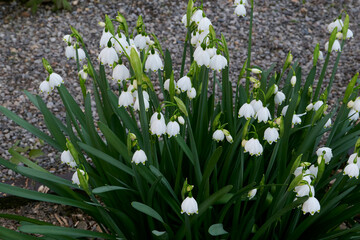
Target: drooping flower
<point>45,87</point>
<point>349,34</point>
<point>317,105</point>
<point>337,23</point>
<point>184,20</point>
<point>75,177</point>
<point>293,81</point>
<point>218,62</point>
<point>81,54</point>
<point>298,171</point>
<point>240,10</point>
<point>256,104</point>
<point>167,84</point>
<point>157,124</point>
<point>137,104</point>
<point>153,62</point>
<point>67,158</point>
<point>105,37</point>
<point>126,99</point>
<point>83,74</point>
<point>253,147</point>
<point>140,41</point>
<point>284,110</point>
<point>296,118</point>
<point>55,80</point>
<point>328,123</point>
<point>271,135</point>
<point>304,190</point>
<point>313,171</point>
<point>356,105</point>
<point>189,206</point>
<point>246,111</point>
<point>191,93</point>
<point>354,158</point>
<point>121,44</point>
<point>311,206</point>
<point>310,107</point>
<point>218,135</point>
<point>263,114</point>
<point>321,55</point>
<point>204,24</point>
<point>252,193</point>
<point>172,128</point>
<point>211,52</point>
<point>120,73</point>
<point>108,56</point>
<point>201,57</point>
<point>139,157</point>
<point>353,115</point>
<point>69,52</point>
<point>335,47</point>
<point>352,170</point>
<point>181,120</point>
<point>184,84</point>
<point>197,16</point>
<point>279,98</point>
<point>326,152</point>
<point>67,39</point>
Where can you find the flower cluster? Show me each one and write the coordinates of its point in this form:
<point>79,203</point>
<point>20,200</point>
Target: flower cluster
<point>354,109</point>
<point>338,24</point>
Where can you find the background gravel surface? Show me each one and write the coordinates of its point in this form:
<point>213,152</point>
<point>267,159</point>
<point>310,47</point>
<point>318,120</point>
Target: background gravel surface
<point>279,26</point>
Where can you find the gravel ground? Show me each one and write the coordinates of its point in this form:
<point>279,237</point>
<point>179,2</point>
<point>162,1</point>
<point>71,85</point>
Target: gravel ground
<point>279,26</point>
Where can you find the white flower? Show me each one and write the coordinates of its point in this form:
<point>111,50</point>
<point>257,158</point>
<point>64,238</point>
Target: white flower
<point>253,147</point>
<point>120,73</point>
<point>69,52</point>
<point>157,124</point>
<point>293,81</point>
<point>326,152</point>
<point>83,74</point>
<point>317,105</point>
<point>197,16</point>
<point>172,128</point>
<point>256,70</point>
<point>352,170</point>
<point>139,157</point>
<point>237,2</point>
<point>66,157</point>
<point>153,62</point>
<point>252,193</point>
<point>126,99</point>
<point>271,135</point>
<point>184,20</point>
<point>67,38</point>
<point>204,24</point>
<point>246,111</point>
<point>140,41</point>
<point>81,54</point>
<point>218,135</point>
<point>201,38</point>
<point>132,46</point>
<point>337,23</point>
<point>211,52</point>
<point>353,115</point>
<point>194,38</point>
<point>181,120</point>
<point>263,114</point>
<point>356,105</point>
<point>218,62</point>
<point>310,107</point>
<point>313,170</point>
<point>328,123</point>
<point>189,206</point>
<point>321,55</point>
<point>55,80</point>
<point>45,87</point>
<point>184,84</point>
<point>336,46</point>
<point>105,37</point>
<point>352,158</point>
<point>167,84</point>
<point>298,171</point>
<point>240,10</point>
<point>349,34</point>
<point>304,190</point>
<point>202,57</point>
<point>229,138</point>
<point>75,177</point>
<point>284,110</point>
<point>276,89</point>
<point>279,98</point>
<point>108,56</point>
<point>296,119</point>
<point>311,206</point>
<point>256,104</point>
<point>137,104</point>
<point>121,44</point>
<point>191,93</point>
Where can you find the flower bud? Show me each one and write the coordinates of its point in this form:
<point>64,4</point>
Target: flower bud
<point>350,104</point>
<point>293,81</point>
<point>101,24</point>
<point>243,142</point>
<point>309,107</point>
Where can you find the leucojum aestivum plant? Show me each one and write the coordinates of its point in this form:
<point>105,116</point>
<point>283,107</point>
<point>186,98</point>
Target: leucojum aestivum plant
<point>267,160</point>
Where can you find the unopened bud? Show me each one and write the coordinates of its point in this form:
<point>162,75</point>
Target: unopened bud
<point>293,81</point>
<point>243,142</point>
<point>350,104</point>
<point>256,71</point>
<point>309,107</point>
<point>101,24</point>
<point>132,136</point>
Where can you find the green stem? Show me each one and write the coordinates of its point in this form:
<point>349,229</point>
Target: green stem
<point>249,48</point>
<point>184,54</point>
<point>335,68</point>
<point>322,75</point>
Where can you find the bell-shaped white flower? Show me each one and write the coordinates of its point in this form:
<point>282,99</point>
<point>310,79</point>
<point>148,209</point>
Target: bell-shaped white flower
<point>55,80</point>
<point>313,171</point>
<point>45,87</point>
<point>108,56</point>
<point>83,74</point>
<point>237,2</point>
<point>204,24</point>
<point>137,104</point>
<point>279,98</point>
<point>321,55</point>
<point>126,99</point>
<point>246,111</point>
<point>197,16</point>
<point>251,194</point>
<point>296,119</point>
<point>218,135</point>
<point>132,46</point>
<point>352,170</point>
<point>191,93</point>
<point>81,54</point>
<point>349,34</point>
<point>189,206</point>
<point>240,10</point>
<point>317,105</point>
<point>75,177</point>
<point>356,105</point>
<point>311,206</point>
<point>121,44</point>
<point>153,62</point>
<point>139,157</point>
<point>328,123</point>
<point>253,147</point>
<point>304,190</point>
<point>353,115</point>
<point>354,158</point>
<point>194,38</point>
<point>211,52</point>
<point>229,138</point>
<point>256,104</point>
<point>67,39</point>
<point>202,57</point>
<point>167,84</point>
<point>271,135</point>
<point>157,124</point>
<point>105,37</point>
<point>326,152</point>
<point>263,114</point>
<point>67,158</point>
<point>284,110</point>
<point>184,20</point>
<point>184,84</point>
<point>298,171</point>
<point>310,107</point>
<point>201,37</point>
<point>69,52</point>
<point>140,41</point>
<point>181,120</point>
<point>172,128</point>
<point>218,62</point>
<point>338,23</point>
<point>293,81</point>
<point>120,73</point>
<point>335,47</point>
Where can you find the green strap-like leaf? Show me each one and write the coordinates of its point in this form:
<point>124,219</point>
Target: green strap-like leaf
<point>147,210</point>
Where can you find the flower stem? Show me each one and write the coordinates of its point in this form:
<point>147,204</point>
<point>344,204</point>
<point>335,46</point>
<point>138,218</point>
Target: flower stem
<point>321,78</point>
<point>249,48</point>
